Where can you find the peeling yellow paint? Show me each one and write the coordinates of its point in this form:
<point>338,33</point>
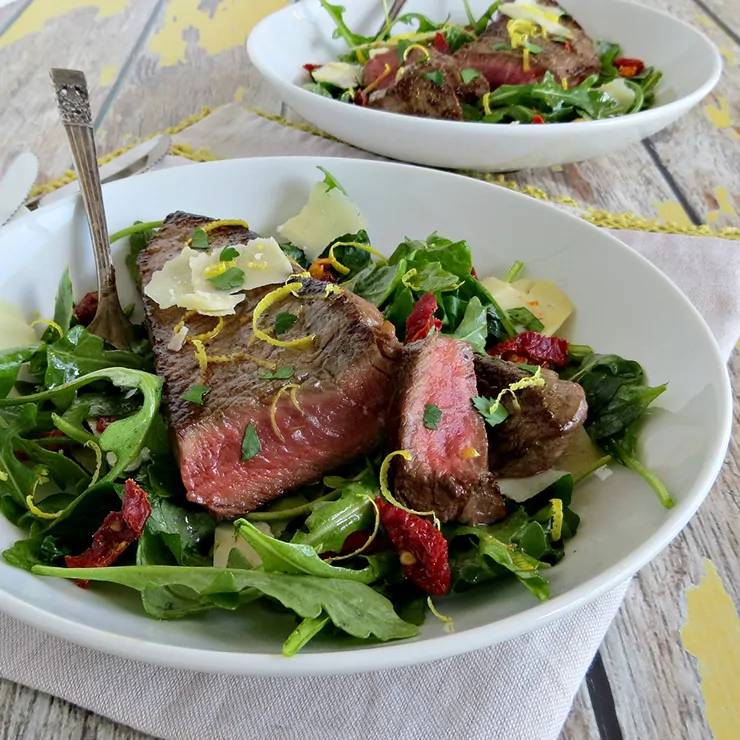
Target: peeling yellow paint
<point>725,205</point>
<point>239,94</point>
<point>728,54</point>
<point>721,116</point>
<point>108,75</point>
<point>226,28</point>
<point>705,21</point>
<point>33,18</point>
<point>673,213</point>
<point>712,635</point>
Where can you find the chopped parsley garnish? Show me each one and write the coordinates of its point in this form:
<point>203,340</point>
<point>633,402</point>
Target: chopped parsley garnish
<point>501,47</point>
<point>284,321</point>
<point>532,48</point>
<point>251,445</point>
<point>525,318</point>
<point>491,410</point>
<point>436,77</point>
<point>331,182</point>
<point>199,240</point>
<point>196,394</point>
<point>468,75</point>
<point>232,278</point>
<point>282,373</point>
<point>228,254</point>
<point>432,416</point>
<point>559,39</point>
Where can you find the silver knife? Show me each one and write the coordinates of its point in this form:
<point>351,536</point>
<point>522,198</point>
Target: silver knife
<point>16,184</point>
<point>139,159</point>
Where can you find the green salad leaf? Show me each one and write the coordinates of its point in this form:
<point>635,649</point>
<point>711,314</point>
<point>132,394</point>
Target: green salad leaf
<point>10,364</point>
<point>474,326</point>
<point>63,309</point>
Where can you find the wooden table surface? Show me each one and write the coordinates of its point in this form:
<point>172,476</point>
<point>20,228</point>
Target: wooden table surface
<point>668,666</point>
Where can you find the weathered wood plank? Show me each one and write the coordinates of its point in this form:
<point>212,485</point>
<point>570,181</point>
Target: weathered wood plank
<point>581,724</point>
<point>727,12</point>
<point>195,56</point>
<point>656,688</point>
<point>701,151</point>
<point>50,34</point>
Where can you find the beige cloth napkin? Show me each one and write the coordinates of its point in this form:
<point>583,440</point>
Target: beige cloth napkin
<point>519,690</point>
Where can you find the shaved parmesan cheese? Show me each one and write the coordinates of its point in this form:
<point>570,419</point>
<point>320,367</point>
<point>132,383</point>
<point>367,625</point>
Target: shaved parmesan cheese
<point>620,91</point>
<point>178,339</point>
<point>183,280</point>
<point>339,74</point>
<point>328,214</point>
<point>15,331</point>
<point>544,299</point>
<point>227,539</point>
<point>523,489</point>
<point>544,16</point>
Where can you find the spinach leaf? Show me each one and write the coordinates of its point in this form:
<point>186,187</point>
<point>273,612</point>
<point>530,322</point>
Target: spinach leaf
<point>398,311</point>
<point>376,283</point>
<point>431,278</point>
<point>63,309</point>
<point>296,254</point>
<point>10,363</point>
<point>525,319</point>
<point>353,258</point>
<point>352,606</point>
<point>474,326</point>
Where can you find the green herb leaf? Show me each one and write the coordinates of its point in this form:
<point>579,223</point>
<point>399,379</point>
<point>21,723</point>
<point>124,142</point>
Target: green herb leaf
<point>482,23</point>
<point>231,279</point>
<point>295,253</point>
<point>318,89</point>
<point>436,77</point>
<point>492,411</point>
<point>474,326</point>
<point>532,48</point>
<point>432,416</point>
<point>10,363</point>
<point>228,254</point>
<point>468,75</point>
<point>196,394</point>
<point>342,31</point>
<point>251,444</point>
<point>282,373</point>
<point>138,242</point>
<point>376,283</point>
<point>501,47</point>
<point>284,321</point>
<point>199,239</point>
<point>524,318</point>
<point>331,182</point>
<point>63,309</point>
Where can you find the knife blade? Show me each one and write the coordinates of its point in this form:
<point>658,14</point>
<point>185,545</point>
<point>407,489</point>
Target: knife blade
<point>16,184</point>
<point>137,160</point>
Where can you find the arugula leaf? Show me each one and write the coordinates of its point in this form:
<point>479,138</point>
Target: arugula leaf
<point>436,77</point>
<point>251,444</point>
<point>10,364</point>
<point>196,394</point>
<point>468,75</point>
<point>425,24</point>
<point>187,534</point>
<point>199,240</point>
<point>318,88</point>
<point>228,254</point>
<point>342,30</point>
<point>63,309</point>
<point>282,373</point>
<point>520,113</point>
<point>331,182</point>
<point>474,326</point>
<point>284,321</point>
<point>229,280</point>
<point>432,416</point>
<point>491,410</point>
<point>352,606</point>
<point>482,23</point>
<point>17,480</point>
<point>138,242</point>
<point>296,254</point>
<point>524,318</point>
<point>39,550</point>
<point>303,634</point>
<point>376,283</point>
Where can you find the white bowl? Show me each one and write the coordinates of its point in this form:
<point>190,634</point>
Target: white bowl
<point>624,305</point>
<point>282,43</point>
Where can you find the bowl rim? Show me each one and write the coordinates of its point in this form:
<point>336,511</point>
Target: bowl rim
<point>431,124</point>
<point>400,653</point>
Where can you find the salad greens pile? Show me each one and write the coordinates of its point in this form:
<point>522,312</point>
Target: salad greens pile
<point>61,473</point>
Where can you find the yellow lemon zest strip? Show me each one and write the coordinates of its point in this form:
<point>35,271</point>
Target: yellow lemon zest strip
<point>217,225</point>
<point>370,539</point>
<point>219,268</point>
<point>407,53</point>
<point>273,410</point>
<point>564,82</point>
<point>374,85</point>
<point>332,289</point>
<point>209,334</point>
<point>29,499</point>
<point>339,267</point>
<point>294,396</point>
<point>270,299</point>
<point>201,356</point>
<point>95,447</point>
<point>179,326</point>
<point>535,381</point>
<point>52,324</point>
<point>449,624</point>
<point>386,492</point>
<point>242,356</point>
<point>557,519</point>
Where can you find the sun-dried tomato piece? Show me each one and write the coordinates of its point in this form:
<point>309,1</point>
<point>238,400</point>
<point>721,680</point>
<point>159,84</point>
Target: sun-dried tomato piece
<point>422,321</point>
<point>420,547</point>
<point>567,46</point>
<point>118,530</point>
<point>321,270</point>
<point>473,273</point>
<point>538,119</point>
<point>361,98</point>
<point>312,67</point>
<point>440,43</point>
<point>86,309</point>
<point>534,349</point>
<point>629,67</point>
<point>355,541</point>
<point>103,423</point>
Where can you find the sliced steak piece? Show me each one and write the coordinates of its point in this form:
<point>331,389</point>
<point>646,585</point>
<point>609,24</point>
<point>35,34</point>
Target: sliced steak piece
<point>541,422</point>
<point>506,66</point>
<point>343,381</point>
<point>445,475</point>
<point>374,71</point>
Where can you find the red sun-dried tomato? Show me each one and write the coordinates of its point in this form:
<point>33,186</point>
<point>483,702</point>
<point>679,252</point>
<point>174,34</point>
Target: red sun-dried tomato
<point>361,98</point>
<point>103,423</point>
<point>420,546</point>
<point>422,321</point>
<point>321,270</point>
<point>535,348</point>
<point>538,119</point>
<point>118,530</point>
<point>311,67</point>
<point>356,540</point>
<point>440,43</point>
<point>629,67</point>
<point>473,273</point>
<point>86,309</point>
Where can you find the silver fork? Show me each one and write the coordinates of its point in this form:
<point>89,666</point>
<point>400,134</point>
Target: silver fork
<point>73,102</point>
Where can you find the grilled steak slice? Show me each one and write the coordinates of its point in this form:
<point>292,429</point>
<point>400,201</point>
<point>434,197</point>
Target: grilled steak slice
<point>374,71</point>
<point>444,476</point>
<point>541,424</point>
<point>342,384</point>
<point>506,66</point>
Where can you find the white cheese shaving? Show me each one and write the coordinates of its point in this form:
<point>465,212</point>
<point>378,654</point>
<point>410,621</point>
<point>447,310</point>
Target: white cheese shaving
<point>339,74</point>
<point>15,331</point>
<point>227,539</point>
<point>620,91</point>
<point>523,489</point>
<point>544,16</point>
<point>328,214</point>
<point>603,472</point>
<point>178,339</point>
